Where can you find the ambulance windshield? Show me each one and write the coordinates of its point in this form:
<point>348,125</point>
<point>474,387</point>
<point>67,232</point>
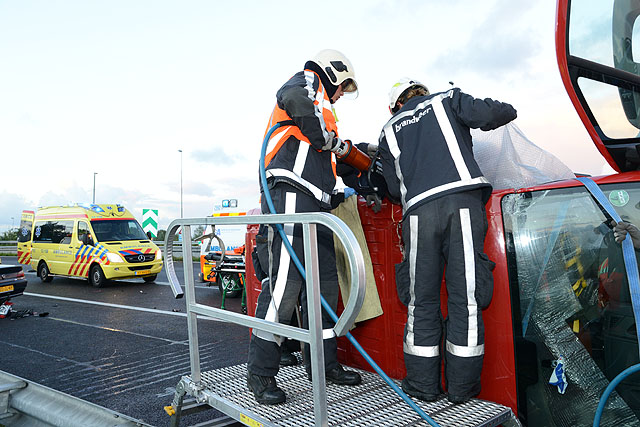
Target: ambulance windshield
<point>111,230</point>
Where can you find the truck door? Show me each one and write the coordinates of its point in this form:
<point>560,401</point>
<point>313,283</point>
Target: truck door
<point>82,242</point>
<point>24,237</point>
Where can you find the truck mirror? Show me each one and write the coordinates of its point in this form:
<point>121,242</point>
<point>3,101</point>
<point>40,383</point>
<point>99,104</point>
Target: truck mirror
<point>86,239</point>
<point>149,235</point>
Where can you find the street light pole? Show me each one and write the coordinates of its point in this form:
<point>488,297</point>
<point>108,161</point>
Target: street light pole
<point>94,187</point>
<point>180,183</point>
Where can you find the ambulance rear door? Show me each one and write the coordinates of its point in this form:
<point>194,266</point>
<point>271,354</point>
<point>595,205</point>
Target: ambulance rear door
<point>24,237</point>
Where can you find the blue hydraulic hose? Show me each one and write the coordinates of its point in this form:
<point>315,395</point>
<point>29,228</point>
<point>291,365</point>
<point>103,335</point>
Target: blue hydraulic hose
<point>325,304</point>
<point>607,391</point>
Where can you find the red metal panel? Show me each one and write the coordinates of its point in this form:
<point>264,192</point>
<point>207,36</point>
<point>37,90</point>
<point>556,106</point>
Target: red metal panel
<point>381,337</point>
<point>498,371</point>
<point>252,283</point>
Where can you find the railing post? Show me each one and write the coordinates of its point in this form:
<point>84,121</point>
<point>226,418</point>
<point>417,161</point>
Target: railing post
<point>190,296</point>
<point>310,238</point>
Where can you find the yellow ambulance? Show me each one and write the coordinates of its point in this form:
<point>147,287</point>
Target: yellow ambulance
<point>96,242</point>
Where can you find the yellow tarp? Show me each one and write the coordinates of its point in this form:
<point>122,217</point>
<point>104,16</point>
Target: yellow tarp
<point>348,212</point>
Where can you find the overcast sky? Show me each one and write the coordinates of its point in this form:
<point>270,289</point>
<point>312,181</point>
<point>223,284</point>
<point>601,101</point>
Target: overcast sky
<point>118,87</point>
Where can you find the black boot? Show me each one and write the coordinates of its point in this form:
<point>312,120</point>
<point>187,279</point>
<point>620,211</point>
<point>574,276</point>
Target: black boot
<point>265,389</point>
<point>287,358</point>
<point>458,399</point>
<point>412,391</point>
<point>340,376</point>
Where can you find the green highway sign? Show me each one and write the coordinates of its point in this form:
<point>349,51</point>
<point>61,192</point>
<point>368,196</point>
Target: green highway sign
<point>150,221</point>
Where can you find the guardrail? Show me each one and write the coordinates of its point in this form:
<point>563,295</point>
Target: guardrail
<point>12,248</point>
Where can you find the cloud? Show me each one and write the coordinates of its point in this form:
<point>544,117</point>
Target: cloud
<point>491,50</point>
<point>11,209</point>
<point>215,156</point>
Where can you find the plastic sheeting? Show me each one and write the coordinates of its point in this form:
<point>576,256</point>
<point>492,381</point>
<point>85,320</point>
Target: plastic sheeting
<point>572,292</point>
<point>509,160</point>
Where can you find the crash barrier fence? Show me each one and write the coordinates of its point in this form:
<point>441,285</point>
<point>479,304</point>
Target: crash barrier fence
<point>314,335</point>
<point>11,247</point>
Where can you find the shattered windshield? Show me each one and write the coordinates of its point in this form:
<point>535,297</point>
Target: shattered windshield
<point>117,230</point>
<point>574,322</point>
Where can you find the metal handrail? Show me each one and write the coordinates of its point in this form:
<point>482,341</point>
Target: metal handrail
<point>314,335</point>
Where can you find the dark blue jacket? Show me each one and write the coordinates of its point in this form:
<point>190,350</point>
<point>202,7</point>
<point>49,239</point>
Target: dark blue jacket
<point>426,149</point>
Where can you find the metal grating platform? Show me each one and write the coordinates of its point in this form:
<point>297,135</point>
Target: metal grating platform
<point>371,403</point>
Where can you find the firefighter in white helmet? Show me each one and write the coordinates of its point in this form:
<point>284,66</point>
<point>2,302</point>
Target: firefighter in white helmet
<point>300,167</point>
<point>428,164</point>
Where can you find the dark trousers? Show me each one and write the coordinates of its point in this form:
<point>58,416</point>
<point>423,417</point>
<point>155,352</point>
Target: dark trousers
<point>447,231</point>
<point>280,293</point>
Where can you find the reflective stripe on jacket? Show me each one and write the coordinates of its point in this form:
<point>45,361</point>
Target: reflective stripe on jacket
<point>426,148</point>
<point>295,152</point>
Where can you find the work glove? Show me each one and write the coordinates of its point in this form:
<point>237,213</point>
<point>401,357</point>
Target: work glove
<point>340,147</point>
<point>348,192</point>
<point>336,199</point>
<point>374,202</point>
<point>370,149</point>
<point>620,230</point>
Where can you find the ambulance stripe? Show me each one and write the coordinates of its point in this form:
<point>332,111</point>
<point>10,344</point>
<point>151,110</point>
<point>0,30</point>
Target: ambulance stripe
<point>78,264</point>
<point>85,270</point>
<point>130,252</point>
<point>79,267</point>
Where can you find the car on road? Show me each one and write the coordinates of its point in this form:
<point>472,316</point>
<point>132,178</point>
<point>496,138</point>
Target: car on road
<point>12,282</point>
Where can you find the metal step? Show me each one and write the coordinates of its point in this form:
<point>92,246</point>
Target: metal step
<point>371,403</point>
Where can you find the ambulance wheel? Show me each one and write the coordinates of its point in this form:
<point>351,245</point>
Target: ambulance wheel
<point>96,276</point>
<point>230,284</point>
<point>150,278</point>
<point>43,272</point>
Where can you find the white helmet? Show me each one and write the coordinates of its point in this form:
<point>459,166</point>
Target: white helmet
<point>338,70</point>
<point>398,88</point>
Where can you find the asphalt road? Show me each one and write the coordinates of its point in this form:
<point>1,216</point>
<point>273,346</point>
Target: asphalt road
<point>124,346</point>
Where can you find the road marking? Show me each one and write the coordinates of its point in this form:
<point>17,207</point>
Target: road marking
<point>119,330</point>
<point>33,273</point>
<point>125,307</point>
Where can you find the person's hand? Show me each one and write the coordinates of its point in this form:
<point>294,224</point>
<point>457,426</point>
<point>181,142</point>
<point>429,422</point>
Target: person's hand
<point>340,147</point>
<point>372,150</point>
<point>348,192</point>
<point>622,228</point>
